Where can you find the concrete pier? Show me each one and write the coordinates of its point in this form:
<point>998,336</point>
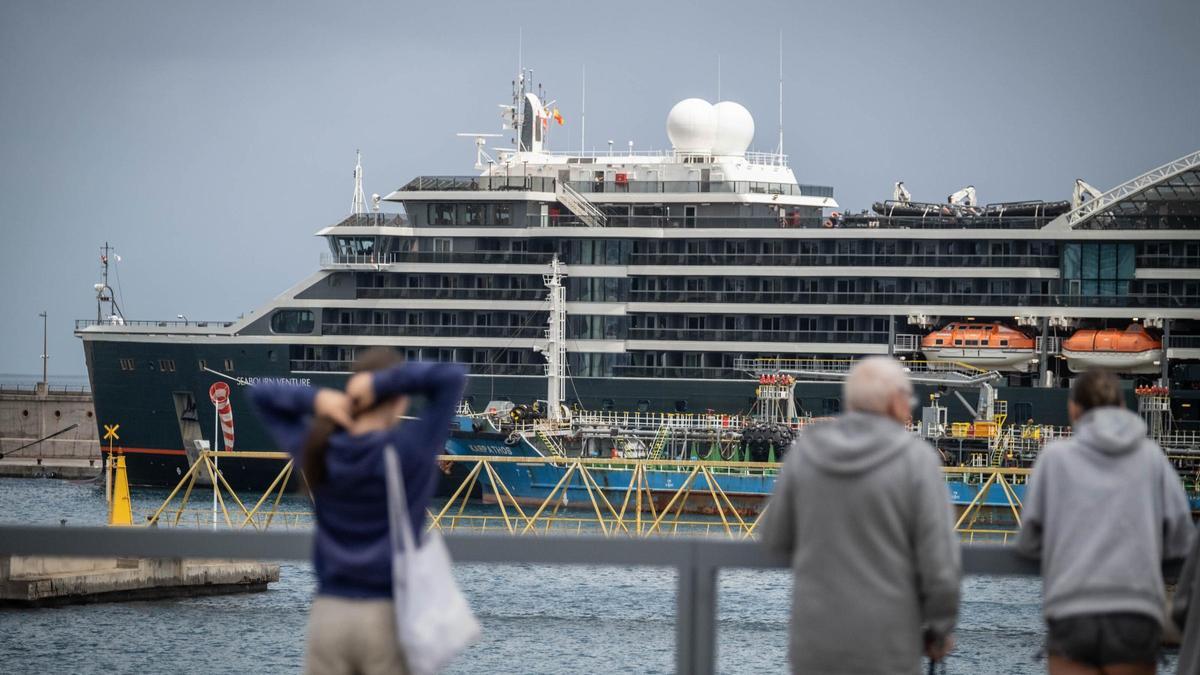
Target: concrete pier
<point>51,467</point>
<point>36,581</point>
<point>39,422</point>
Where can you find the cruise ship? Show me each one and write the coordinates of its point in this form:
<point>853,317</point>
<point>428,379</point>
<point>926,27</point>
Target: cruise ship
<point>679,266</point>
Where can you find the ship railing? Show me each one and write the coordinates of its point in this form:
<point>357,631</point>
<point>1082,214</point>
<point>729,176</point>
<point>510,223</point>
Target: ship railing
<point>757,335</point>
<point>653,421</point>
<point>436,293</point>
<point>635,186</point>
<point>143,324</point>
<point>910,298</point>
<point>374,220</point>
<point>769,365</point>
<point>479,183</point>
<point>753,157</point>
<point>30,388</point>
<point>438,257</point>
<point>697,563</point>
<point>809,258</point>
<point>907,343</point>
<point>1053,344</point>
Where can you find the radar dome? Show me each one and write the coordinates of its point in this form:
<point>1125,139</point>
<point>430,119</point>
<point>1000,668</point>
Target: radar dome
<point>735,129</point>
<point>692,125</point>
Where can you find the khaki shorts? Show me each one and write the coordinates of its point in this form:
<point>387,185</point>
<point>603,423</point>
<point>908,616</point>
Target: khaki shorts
<point>352,637</point>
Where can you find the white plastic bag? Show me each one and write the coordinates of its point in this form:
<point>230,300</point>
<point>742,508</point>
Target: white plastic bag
<point>433,620</point>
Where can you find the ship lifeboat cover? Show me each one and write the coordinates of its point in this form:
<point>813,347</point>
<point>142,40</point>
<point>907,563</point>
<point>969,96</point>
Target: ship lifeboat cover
<point>1133,339</point>
<point>983,335</point>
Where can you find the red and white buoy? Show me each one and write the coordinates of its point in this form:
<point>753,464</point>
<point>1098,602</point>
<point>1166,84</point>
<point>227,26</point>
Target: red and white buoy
<point>218,393</point>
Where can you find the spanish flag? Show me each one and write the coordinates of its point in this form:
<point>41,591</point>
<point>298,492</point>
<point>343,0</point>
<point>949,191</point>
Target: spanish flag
<point>558,117</point>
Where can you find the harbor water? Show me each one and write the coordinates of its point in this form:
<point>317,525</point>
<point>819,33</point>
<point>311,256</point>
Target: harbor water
<point>546,619</point>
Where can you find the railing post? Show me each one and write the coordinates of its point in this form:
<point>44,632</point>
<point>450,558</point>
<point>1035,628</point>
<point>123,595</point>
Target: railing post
<point>696,617</point>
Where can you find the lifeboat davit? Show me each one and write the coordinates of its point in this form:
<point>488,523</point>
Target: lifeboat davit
<point>1132,350</point>
<point>993,346</point>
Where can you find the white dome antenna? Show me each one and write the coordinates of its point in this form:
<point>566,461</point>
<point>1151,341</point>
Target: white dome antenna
<point>735,129</point>
<point>692,126</point>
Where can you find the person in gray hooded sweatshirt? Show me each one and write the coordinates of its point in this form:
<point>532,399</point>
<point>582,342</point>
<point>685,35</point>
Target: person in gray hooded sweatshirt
<point>862,510</point>
<point>1102,511</point>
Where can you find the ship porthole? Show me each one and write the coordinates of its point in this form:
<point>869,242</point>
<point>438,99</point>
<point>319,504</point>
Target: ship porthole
<point>24,413</point>
<point>58,413</point>
<point>89,414</point>
<point>178,471</point>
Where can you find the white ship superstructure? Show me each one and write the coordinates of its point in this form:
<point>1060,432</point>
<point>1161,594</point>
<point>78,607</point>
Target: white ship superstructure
<point>679,264</point>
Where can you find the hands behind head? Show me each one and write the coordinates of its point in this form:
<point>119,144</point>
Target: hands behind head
<point>334,405</point>
<point>360,388</point>
<point>343,407</point>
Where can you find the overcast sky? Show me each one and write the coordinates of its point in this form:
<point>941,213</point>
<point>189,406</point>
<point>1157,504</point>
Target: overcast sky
<point>209,140</point>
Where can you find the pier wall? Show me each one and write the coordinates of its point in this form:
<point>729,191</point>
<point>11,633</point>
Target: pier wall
<point>30,413</point>
<point>38,580</point>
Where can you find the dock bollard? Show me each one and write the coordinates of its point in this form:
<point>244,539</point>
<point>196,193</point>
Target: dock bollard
<point>120,511</point>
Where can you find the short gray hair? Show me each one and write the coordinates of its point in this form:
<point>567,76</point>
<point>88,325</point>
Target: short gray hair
<point>873,382</point>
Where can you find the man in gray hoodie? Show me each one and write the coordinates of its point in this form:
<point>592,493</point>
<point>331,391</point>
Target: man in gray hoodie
<point>1102,511</point>
<point>862,510</point>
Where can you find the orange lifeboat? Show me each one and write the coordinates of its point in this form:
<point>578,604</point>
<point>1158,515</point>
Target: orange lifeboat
<point>1132,350</point>
<point>984,345</point>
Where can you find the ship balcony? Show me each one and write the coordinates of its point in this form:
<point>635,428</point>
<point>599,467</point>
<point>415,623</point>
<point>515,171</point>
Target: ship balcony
<point>845,260</point>
<point>436,257</point>
<point>753,335</point>
<point>634,186</point>
<point>343,366</point>
<point>897,298</point>
<point>698,187</point>
<point>393,330</point>
<point>152,327</point>
<point>534,294</point>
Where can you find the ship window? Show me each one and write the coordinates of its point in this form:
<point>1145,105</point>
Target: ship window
<point>643,405</point>
<point>127,364</point>
<point>503,214</point>
<point>292,321</point>
<point>972,343</point>
<point>473,214</point>
<point>937,341</point>
<point>441,214</point>
<point>228,364</point>
<point>958,343</point>
<point>166,365</point>
<point>681,405</point>
<point>1004,343</point>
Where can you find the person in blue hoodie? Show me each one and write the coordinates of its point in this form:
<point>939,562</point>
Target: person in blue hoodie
<point>339,439</point>
<point>1102,511</point>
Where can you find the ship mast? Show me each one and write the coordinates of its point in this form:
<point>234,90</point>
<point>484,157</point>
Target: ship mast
<point>555,350</point>
<point>358,203</point>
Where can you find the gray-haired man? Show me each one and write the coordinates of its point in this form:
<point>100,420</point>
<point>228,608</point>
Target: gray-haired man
<point>861,509</point>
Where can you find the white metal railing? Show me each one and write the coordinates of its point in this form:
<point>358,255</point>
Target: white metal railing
<point>651,421</point>
<point>757,158</point>
<point>907,343</point>
<point>1131,187</point>
<point>579,205</point>
<point>1053,344</point>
